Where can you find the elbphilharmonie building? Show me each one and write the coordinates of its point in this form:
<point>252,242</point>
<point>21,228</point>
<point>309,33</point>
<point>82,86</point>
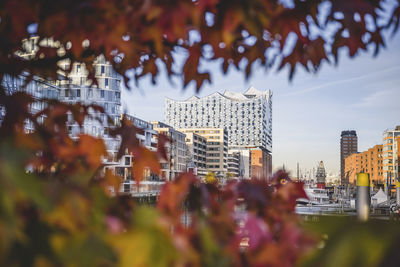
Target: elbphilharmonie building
<point>246,116</point>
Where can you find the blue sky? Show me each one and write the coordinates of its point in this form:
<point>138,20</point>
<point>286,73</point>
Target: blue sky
<point>309,112</point>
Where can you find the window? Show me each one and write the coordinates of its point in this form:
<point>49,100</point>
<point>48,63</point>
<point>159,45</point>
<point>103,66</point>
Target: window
<point>127,161</point>
<point>102,69</point>
<point>102,93</point>
<point>106,82</point>
<point>78,93</point>
<point>78,68</point>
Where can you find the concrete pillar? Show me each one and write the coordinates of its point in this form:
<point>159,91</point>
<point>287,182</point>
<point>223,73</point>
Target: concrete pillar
<point>398,193</point>
<point>363,197</point>
<point>386,191</point>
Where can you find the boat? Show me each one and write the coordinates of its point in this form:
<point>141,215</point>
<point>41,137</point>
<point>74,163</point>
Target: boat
<point>316,196</point>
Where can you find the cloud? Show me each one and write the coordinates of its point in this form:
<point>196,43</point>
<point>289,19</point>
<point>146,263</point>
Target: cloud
<point>328,84</point>
<point>388,98</point>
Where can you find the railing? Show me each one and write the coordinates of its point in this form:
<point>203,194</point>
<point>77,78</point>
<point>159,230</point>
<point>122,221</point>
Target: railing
<point>145,188</point>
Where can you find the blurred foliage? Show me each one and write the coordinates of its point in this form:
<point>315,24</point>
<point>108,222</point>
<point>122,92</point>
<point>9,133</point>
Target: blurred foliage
<point>210,178</point>
<point>348,242</point>
<point>56,210</point>
<point>143,36</point>
<point>55,203</point>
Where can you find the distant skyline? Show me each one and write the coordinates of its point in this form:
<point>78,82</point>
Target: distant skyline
<point>309,113</point>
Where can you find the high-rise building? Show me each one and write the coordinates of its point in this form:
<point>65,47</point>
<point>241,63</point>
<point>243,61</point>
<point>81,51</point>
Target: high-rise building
<point>391,154</point>
<point>217,149</point>
<point>348,146</point>
<point>369,161</point>
<point>247,118</point>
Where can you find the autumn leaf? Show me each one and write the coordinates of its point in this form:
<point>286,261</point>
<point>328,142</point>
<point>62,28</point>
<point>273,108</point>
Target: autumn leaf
<point>144,159</point>
<point>173,194</point>
<point>110,180</point>
<point>162,146</point>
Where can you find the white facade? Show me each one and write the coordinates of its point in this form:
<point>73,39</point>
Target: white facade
<point>37,88</point>
<point>234,167</point>
<point>247,117</point>
<point>244,161</point>
<point>107,94</point>
<point>75,87</point>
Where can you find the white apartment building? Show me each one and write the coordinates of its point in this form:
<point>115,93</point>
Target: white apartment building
<point>37,88</point>
<point>234,166</point>
<point>74,87</point>
<point>107,94</point>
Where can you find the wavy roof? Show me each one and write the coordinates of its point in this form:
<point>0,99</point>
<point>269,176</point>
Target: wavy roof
<point>248,95</point>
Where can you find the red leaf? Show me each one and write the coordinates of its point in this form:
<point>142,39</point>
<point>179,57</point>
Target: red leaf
<point>255,230</point>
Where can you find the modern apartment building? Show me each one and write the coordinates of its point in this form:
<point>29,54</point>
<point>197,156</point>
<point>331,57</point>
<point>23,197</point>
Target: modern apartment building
<point>217,149</point>
<point>348,146</point>
<point>147,138</point>
<point>177,151</point>
<point>234,165</point>
<point>197,148</point>
<point>74,86</point>
<point>38,88</point>
<point>107,94</point>
<point>391,154</point>
<point>247,117</point>
<point>369,161</point>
